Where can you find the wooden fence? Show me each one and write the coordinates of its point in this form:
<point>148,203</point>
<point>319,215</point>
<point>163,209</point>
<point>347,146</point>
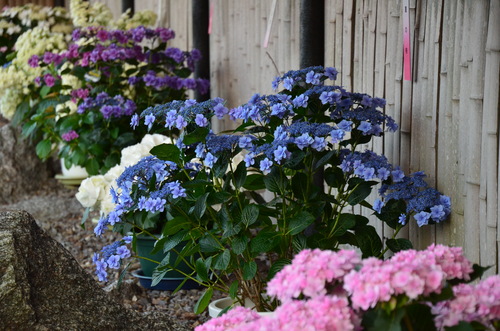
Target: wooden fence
<point>448,111</point>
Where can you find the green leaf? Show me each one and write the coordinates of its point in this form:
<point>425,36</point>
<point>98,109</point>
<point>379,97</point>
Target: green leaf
<point>334,177</point>
<point>264,242</point>
<point>198,135</point>
<point>174,240</point>
<point>250,214</point>
<point>276,181</point>
<point>420,318</point>
<point>204,301</point>
<point>222,261</point>
<point>174,225</point>
<point>254,182</point>
<point>249,270</point>
<point>368,241</point>
<point>391,211</point>
<point>295,162</point>
<point>233,289</point>
<point>160,271</point>
<point>345,222</point>
<point>277,266</point>
<point>44,91</point>
<point>360,192</point>
<point>240,175</point>
<point>200,206</point>
<point>85,217</point>
<point>324,160</point>
<point>299,185</point>
<point>202,270</point>
<point>463,326</point>
<point>167,152</point>
<point>478,271</point>
<point>399,244</point>
<point>209,245</point>
<point>92,167</point>
<point>299,222</point>
<point>43,149</point>
<point>239,245</point>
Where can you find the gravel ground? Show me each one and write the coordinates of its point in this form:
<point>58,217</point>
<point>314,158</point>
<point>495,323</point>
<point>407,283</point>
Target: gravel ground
<point>58,212</point>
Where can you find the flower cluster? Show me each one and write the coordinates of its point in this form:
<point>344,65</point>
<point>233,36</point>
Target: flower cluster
<point>311,273</point>
<point>375,292</point>
<point>410,273</point>
<point>14,21</point>
<point>324,313</point>
<point>145,186</point>
<point>94,192</point>
<point>111,257</point>
<point>428,205</point>
<point>97,84</point>
<point>472,302</point>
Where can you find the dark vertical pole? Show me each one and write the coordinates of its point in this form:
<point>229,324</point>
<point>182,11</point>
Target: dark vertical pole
<point>312,33</point>
<point>59,3</point>
<point>128,4</point>
<point>312,47</point>
<point>201,41</point>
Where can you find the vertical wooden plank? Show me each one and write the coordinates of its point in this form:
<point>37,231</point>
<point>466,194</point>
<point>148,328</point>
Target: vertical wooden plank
<point>347,51</point>
<point>358,45</point>
<point>339,45</point>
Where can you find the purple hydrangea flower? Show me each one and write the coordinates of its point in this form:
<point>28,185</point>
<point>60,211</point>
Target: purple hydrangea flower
<point>265,166</point>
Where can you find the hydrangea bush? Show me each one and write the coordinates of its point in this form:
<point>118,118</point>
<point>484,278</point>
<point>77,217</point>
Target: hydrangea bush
<point>413,290</point>
<point>304,145</point>
<point>89,92</point>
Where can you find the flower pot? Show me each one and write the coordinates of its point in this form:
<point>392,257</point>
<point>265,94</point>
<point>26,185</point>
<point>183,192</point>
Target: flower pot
<point>74,172</point>
<point>145,245</point>
<point>166,284</point>
<point>215,307</point>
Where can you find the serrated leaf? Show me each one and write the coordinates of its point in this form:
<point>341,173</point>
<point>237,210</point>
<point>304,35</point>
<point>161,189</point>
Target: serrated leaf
<point>299,222</point>
<point>277,267</point>
<point>345,222</point>
<point>334,177</point>
<point>299,185</point>
<point>43,149</point>
<point>92,167</point>
<point>198,135</point>
<point>360,193</point>
<point>249,270</point>
<point>368,241</point>
<point>264,242</point>
<point>160,271</point>
<point>222,261</point>
<point>399,244</point>
<point>167,152</point>
<point>239,245</point>
<point>250,214</point>
<point>275,181</point>
<point>209,245</point>
<point>324,160</point>
<point>233,289</point>
<point>201,270</point>
<point>204,301</point>
<point>200,206</point>
<point>254,182</point>
<point>240,175</point>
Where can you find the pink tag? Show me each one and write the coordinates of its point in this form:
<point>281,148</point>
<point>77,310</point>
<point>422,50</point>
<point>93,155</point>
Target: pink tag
<point>406,41</point>
<point>211,15</point>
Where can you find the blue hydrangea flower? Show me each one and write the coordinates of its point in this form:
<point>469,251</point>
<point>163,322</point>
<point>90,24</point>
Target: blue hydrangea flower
<point>176,189</point>
<point>377,205</point>
<point>249,159</point>
<point>210,159</point>
<point>149,120</point>
<point>281,153</point>
<point>422,218</point>
<point>134,121</point>
<point>265,166</point>
<point>303,141</point>
<point>402,219</point>
<point>200,120</point>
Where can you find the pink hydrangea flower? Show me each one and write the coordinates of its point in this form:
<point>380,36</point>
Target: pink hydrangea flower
<point>479,303</point>
<point>232,320</point>
<point>322,313</point>
<point>311,273</point>
<point>70,135</point>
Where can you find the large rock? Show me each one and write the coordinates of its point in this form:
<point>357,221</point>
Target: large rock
<point>21,171</point>
<point>43,288</point>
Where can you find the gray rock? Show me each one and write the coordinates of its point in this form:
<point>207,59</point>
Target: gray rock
<point>42,287</point>
<point>21,170</point>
